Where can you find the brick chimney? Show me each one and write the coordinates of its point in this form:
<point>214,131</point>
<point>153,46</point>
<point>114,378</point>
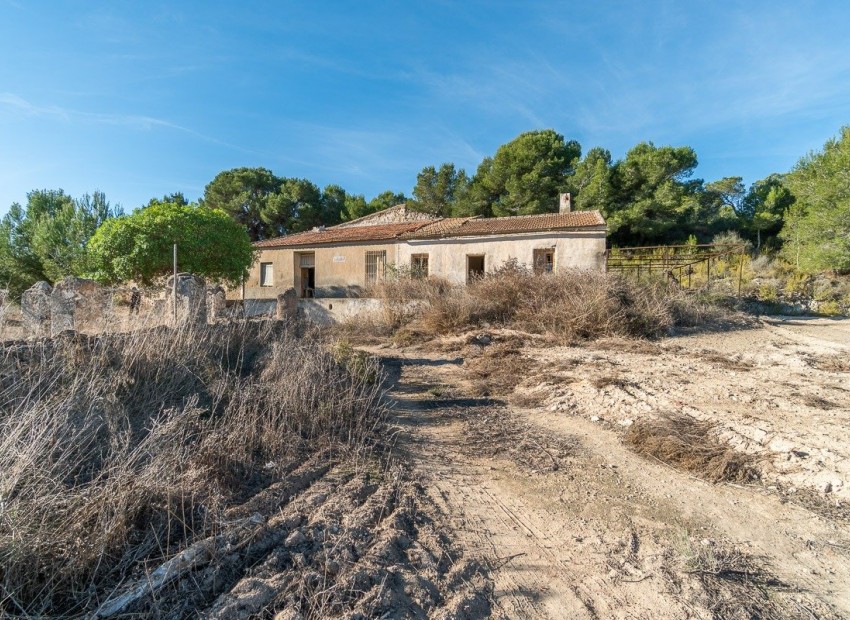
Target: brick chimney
<point>566,204</point>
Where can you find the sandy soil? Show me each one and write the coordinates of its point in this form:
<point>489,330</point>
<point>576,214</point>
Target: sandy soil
<point>569,522</point>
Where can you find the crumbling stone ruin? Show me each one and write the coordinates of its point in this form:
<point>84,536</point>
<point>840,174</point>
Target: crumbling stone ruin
<point>74,303</point>
<point>35,308</point>
<point>216,304</point>
<point>191,299</point>
<point>287,305</point>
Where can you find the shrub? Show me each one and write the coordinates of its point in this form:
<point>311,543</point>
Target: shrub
<point>117,451</point>
<point>567,305</point>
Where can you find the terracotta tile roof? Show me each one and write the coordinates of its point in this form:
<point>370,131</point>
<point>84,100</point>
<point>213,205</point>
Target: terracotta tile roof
<point>439,228</point>
<point>447,227</point>
<point>473,226</point>
<point>336,234</point>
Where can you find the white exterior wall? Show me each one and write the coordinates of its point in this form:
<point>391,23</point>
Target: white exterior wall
<point>583,249</point>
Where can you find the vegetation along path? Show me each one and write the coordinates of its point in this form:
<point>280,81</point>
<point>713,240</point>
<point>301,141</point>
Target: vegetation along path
<point>546,487</point>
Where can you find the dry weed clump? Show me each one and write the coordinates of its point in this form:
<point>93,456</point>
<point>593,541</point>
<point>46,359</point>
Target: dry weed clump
<point>691,445</point>
<point>118,451</point>
<point>569,306</point>
<point>496,431</point>
<point>734,584</point>
<point>498,369</point>
<point>830,363</point>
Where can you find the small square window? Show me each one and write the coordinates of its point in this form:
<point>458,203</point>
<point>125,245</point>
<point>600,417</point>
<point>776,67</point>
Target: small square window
<point>266,274</point>
<point>419,265</point>
<point>544,261</point>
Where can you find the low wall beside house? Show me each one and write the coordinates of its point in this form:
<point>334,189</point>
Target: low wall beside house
<point>328,310</point>
<point>322,311</point>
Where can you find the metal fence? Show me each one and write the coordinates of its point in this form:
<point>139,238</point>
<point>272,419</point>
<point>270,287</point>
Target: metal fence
<point>689,266</point>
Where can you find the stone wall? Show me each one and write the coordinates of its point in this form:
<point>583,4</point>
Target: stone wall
<point>75,302</point>
<point>35,309</point>
<point>191,299</point>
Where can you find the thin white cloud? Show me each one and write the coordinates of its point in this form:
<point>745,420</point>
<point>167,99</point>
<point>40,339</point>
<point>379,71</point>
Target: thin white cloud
<point>17,104</point>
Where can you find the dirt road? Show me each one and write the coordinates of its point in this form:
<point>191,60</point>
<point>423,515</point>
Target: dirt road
<point>571,523</point>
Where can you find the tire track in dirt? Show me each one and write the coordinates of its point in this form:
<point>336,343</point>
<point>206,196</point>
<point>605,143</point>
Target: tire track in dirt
<point>607,536</point>
<point>545,561</point>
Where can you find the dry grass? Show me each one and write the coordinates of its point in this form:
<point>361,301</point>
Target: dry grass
<point>735,586</point>
<point>498,369</point>
<point>567,306</point>
<point>117,452</point>
<point>691,445</point>
<point>830,363</point>
<point>497,432</point>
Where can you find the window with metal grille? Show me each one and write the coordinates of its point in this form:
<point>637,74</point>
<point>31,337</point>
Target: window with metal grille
<point>375,266</point>
<point>419,265</point>
<point>266,274</point>
<point>544,260</point>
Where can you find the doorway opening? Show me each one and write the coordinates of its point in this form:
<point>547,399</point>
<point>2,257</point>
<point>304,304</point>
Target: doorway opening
<point>307,273</point>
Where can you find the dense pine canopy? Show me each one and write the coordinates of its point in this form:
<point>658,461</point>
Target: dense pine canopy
<point>648,197</point>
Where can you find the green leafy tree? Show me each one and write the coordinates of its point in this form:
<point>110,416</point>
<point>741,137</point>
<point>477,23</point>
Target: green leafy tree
<point>60,241</point>
<point>524,177</point>
<point>47,239</point>
<point>385,200</point>
<point>652,200</point>
<point>590,183</point>
<point>764,207</point>
<point>816,232</point>
<point>246,195</point>
<point>437,190</point>
<point>333,204</point>
<point>356,205</point>
<point>177,198</point>
<point>139,246</point>
<point>717,207</point>
<point>295,207</point>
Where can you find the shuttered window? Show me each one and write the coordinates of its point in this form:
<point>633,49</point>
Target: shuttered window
<point>266,274</point>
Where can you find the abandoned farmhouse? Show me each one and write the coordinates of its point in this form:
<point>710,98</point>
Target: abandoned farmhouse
<point>343,261</point>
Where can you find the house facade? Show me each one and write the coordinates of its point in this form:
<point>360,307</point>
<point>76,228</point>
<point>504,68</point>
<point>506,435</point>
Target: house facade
<point>343,261</point>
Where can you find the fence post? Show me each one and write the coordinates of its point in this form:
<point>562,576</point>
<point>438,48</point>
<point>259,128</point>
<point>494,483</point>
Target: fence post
<point>174,286</point>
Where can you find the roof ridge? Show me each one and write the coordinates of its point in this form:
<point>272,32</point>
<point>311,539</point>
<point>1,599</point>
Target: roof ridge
<point>528,215</point>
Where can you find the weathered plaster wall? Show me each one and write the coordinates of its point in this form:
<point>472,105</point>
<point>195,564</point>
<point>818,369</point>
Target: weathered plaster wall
<point>447,257</point>
<point>340,270</point>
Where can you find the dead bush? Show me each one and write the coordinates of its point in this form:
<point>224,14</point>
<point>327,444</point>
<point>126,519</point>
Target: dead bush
<point>830,363</point>
<point>734,584</point>
<point>569,306</point>
<point>691,445</point>
<point>118,451</point>
<point>496,431</point>
<point>604,381</point>
<point>498,370</point>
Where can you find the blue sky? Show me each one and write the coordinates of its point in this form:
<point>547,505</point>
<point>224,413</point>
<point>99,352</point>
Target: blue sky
<point>140,99</point>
